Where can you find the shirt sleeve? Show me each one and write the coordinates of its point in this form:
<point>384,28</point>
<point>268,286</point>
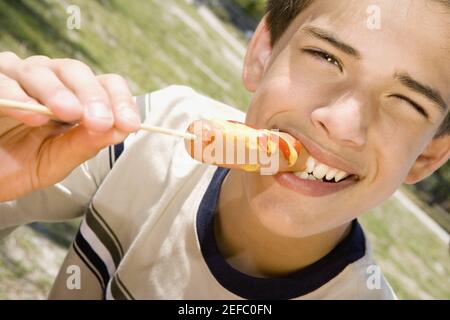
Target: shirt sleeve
<point>69,198</point>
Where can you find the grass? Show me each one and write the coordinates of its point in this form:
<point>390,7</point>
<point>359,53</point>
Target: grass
<point>145,41</point>
<point>154,44</point>
<point>436,212</point>
<point>28,264</point>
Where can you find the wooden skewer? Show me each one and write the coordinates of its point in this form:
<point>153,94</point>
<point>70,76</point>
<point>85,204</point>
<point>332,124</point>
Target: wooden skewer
<point>38,108</point>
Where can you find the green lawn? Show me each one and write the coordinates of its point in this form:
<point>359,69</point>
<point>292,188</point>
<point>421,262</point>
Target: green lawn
<point>154,44</point>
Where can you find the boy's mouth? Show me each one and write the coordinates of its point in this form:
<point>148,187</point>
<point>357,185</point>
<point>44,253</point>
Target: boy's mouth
<point>315,170</point>
<point>325,173</point>
<point>313,188</point>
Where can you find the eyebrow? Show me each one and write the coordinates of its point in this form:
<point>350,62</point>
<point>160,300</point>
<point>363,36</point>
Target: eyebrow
<point>332,39</point>
<point>403,77</point>
<point>422,89</point>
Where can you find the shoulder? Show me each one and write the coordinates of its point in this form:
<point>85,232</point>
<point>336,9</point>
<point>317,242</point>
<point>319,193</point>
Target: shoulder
<point>174,107</point>
<point>183,103</point>
<point>370,282</point>
<point>375,285</point>
<point>362,279</point>
<point>366,278</point>
<point>160,156</point>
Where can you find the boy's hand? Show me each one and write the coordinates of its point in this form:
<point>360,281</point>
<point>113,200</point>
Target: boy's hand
<point>35,152</point>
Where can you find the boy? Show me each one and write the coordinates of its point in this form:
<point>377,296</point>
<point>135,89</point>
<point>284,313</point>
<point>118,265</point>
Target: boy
<point>368,104</point>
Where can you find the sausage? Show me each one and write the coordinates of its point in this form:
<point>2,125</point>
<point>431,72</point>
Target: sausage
<point>234,145</point>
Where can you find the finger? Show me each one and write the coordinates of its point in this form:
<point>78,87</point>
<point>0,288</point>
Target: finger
<point>126,116</point>
<point>8,62</point>
<point>10,89</point>
<point>40,60</point>
<point>42,84</point>
<point>79,78</point>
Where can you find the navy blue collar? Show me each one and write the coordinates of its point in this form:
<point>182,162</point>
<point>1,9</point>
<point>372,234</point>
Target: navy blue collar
<point>296,284</point>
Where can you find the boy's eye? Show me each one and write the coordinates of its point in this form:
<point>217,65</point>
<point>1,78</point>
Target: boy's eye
<point>324,56</point>
<point>415,105</point>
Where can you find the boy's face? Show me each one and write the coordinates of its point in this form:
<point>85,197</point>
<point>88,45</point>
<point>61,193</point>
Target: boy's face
<point>366,101</point>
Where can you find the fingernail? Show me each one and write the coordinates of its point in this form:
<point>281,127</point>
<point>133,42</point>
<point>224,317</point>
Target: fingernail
<point>129,115</point>
<point>99,110</point>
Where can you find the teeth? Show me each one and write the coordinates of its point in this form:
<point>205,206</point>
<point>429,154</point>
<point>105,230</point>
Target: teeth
<point>299,173</point>
<point>340,175</point>
<point>317,171</point>
<point>304,175</point>
<point>310,164</point>
<point>330,174</point>
<point>320,171</point>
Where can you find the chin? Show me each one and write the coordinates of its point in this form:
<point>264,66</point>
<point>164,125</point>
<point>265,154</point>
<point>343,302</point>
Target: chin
<point>285,221</point>
<point>285,215</point>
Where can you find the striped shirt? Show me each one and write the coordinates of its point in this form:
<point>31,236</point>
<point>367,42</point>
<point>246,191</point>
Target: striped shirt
<point>147,231</point>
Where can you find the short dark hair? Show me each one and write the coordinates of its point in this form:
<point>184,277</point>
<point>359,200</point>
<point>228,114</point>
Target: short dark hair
<point>280,14</point>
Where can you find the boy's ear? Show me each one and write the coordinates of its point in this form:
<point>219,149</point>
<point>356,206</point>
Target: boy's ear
<point>257,56</point>
<point>435,155</point>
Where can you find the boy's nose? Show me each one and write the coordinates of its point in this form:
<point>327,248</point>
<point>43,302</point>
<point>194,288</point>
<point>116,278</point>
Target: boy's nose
<point>344,121</point>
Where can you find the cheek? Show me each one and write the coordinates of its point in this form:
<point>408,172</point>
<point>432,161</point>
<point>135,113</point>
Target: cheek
<point>284,91</point>
<point>272,97</point>
<point>395,154</point>
<point>278,91</point>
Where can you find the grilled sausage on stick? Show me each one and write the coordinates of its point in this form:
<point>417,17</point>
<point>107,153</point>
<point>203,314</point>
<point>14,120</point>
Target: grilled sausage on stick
<point>234,145</point>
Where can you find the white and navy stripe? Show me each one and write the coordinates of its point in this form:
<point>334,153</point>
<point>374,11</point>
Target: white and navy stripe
<point>99,248</point>
<point>114,153</point>
<point>116,290</point>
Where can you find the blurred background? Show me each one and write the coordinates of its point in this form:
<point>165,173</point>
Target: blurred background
<point>155,43</point>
